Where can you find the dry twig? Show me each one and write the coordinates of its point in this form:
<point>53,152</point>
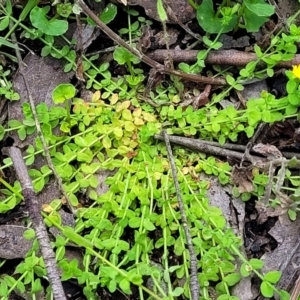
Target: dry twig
<point>214,148</point>
<point>194,283</point>
<point>198,145</point>
<point>33,205</point>
<point>221,57</point>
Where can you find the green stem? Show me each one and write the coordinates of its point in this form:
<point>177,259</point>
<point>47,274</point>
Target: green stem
<point>7,185</point>
<point>130,68</point>
<point>68,112</point>
<point>193,4</point>
<point>240,13</point>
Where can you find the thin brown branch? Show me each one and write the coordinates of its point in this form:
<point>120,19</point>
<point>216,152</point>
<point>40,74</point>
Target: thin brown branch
<point>221,57</point>
<point>201,146</point>
<point>194,283</point>
<point>230,150</point>
<point>34,206</point>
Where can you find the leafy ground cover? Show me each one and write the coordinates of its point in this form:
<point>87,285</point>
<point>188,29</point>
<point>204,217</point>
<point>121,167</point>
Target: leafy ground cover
<point>127,216</point>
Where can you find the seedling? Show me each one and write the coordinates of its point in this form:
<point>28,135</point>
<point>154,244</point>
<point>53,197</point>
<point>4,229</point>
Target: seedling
<point>63,93</point>
<point>124,57</point>
<point>6,86</point>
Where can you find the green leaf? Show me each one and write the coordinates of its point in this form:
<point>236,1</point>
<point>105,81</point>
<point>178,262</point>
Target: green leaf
<point>63,92</point>
<point>134,80</point>
<point>291,86</point>
<point>159,243</point>
<point>109,243</point>
<point>134,222</point>
<point>123,56</point>
<point>258,51</point>
<point>118,132</point>
<point>64,9</point>
<point>294,99</point>
<point>39,184</point>
<point>245,270</point>
<point>76,238</point>
<point>184,67</point>
<point>29,122</point>
<point>29,234</point>
<point>252,21</point>
<point>148,225</point>
<point>232,279</point>
<point>245,197</point>
<point>9,280</point>
<point>216,127</point>
<point>36,286</point>
<point>284,295</point>
<point>129,126</point>
<point>256,264</point>
<point>238,87</point>
<point>109,13</point>
<point>230,80</point>
<point>277,57</point>
<point>210,22</point>
<point>270,72</point>
<point>259,8</point>
<point>266,289</point>
<point>52,27</point>
<point>223,297</point>
<point>254,116</point>
<point>2,132</point>
<point>21,287</point>
<point>14,123</point>
<point>6,43</point>
<point>107,271</point>
<point>73,200</point>
<point>273,276</point>
<point>3,289</point>
<point>290,109</point>
<point>266,116</point>
<point>161,11</point>
<point>177,292</point>
<point>4,23</point>
<point>292,214</point>
<point>112,286</point>
<point>80,141</point>
<point>8,7</point>
<point>125,286</point>
<point>22,133</point>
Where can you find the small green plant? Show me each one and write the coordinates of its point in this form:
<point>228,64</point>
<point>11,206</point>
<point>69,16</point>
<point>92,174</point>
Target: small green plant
<point>210,123</point>
<point>4,21</point>
<point>134,29</point>
<point>62,94</point>
<point>249,15</point>
<point>202,55</point>
<point>6,88</point>
<point>123,56</point>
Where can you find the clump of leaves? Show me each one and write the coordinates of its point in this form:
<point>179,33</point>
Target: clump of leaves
<point>249,14</point>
